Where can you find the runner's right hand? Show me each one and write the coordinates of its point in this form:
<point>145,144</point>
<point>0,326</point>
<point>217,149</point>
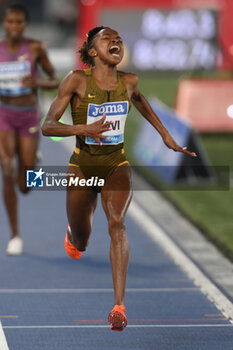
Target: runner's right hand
<point>96,129</point>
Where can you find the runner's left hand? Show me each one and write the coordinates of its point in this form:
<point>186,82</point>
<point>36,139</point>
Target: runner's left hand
<point>170,143</point>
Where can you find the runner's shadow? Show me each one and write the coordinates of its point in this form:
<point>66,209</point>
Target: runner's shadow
<point>85,261</point>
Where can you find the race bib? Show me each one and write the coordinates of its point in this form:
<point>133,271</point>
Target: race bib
<point>116,112</point>
<point>11,74</point>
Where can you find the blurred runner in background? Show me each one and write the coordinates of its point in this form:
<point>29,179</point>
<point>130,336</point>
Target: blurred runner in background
<point>19,114</point>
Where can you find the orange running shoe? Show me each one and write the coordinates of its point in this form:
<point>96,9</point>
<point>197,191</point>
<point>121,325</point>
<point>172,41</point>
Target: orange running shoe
<point>117,318</point>
<point>71,250</point>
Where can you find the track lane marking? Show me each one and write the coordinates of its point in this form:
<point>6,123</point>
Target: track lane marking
<point>131,320</point>
<point>128,326</point>
<point>99,290</point>
<point>3,342</point>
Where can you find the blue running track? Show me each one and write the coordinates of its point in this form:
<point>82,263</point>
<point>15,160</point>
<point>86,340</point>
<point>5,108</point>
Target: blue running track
<point>50,302</point>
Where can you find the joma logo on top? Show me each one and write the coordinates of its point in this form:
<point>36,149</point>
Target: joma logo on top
<point>114,108</point>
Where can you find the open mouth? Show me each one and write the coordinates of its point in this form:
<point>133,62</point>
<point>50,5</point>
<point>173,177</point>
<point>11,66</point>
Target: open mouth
<point>114,50</point>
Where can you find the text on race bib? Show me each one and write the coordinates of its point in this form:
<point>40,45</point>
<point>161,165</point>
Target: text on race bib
<point>11,74</point>
<point>116,112</point>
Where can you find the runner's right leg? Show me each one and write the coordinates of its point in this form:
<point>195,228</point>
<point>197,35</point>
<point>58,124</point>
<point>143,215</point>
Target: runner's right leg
<point>80,204</point>
<point>7,162</point>
<point>26,148</point>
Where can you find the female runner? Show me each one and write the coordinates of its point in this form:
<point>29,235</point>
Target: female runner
<point>100,99</point>
<point>19,115</point>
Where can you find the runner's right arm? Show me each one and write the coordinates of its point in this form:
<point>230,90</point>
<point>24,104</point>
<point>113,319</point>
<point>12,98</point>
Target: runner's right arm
<point>73,84</point>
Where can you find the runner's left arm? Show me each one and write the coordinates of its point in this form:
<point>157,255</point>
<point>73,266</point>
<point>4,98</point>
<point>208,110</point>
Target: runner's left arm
<point>143,106</point>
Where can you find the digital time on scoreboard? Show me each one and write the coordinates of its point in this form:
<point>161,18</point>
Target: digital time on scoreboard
<point>160,39</point>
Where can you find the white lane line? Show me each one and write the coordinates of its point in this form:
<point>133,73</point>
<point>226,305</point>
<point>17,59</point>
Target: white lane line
<point>141,217</point>
<point>99,290</point>
<point>129,326</point>
<point>3,342</point>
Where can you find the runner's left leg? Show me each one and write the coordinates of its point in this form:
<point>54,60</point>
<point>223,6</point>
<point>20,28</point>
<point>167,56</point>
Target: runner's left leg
<point>116,196</point>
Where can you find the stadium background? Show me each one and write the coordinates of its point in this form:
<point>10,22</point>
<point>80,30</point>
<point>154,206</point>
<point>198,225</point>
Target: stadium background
<point>62,25</point>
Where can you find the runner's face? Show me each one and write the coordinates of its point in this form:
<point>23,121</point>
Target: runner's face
<point>109,46</point>
<point>14,24</point>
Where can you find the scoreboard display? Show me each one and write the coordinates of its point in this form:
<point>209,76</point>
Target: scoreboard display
<point>175,39</point>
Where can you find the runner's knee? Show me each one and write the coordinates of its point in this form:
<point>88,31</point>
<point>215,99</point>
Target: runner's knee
<point>8,170</point>
<point>116,226</point>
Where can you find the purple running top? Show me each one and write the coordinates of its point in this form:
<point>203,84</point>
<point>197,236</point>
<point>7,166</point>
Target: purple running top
<point>14,67</point>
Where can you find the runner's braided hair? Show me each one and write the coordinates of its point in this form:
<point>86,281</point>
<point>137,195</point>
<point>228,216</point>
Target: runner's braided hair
<point>87,45</point>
